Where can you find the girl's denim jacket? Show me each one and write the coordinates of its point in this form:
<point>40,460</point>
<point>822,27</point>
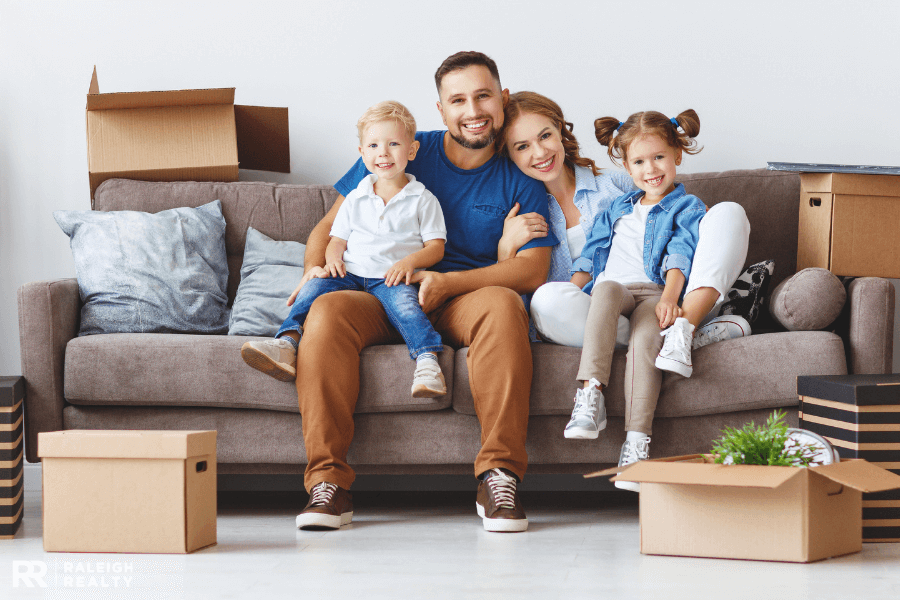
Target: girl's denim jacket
<point>670,238</point>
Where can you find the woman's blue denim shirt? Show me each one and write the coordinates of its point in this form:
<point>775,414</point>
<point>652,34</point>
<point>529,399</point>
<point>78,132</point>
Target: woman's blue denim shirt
<point>670,238</point>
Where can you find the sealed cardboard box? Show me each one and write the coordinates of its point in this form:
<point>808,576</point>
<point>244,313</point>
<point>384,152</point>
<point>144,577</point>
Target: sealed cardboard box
<point>12,393</point>
<point>183,135</point>
<point>690,506</point>
<point>128,491</point>
<point>860,415</point>
<point>850,224</point>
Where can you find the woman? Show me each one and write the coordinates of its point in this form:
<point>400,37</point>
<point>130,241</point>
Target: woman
<point>537,138</point>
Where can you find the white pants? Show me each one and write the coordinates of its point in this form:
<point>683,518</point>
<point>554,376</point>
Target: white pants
<point>560,308</point>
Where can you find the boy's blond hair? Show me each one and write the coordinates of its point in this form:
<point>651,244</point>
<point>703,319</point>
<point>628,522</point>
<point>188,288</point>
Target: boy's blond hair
<point>389,110</point>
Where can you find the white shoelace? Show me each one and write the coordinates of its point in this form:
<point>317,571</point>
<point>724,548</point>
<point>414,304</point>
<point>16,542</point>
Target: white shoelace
<point>675,342</point>
<point>503,489</point>
<point>586,402</point>
<point>322,493</point>
<point>635,451</point>
<point>716,333</point>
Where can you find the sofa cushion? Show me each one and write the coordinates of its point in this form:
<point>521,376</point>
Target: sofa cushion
<point>759,371</point>
<point>271,271</point>
<point>809,300</point>
<point>205,370</point>
<point>140,272</point>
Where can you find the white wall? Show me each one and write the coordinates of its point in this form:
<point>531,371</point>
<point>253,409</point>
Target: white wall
<point>772,81</point>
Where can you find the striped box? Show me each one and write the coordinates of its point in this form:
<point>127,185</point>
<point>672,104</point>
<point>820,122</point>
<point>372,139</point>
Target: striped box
<point>860,415</point>
<point>12,392</point>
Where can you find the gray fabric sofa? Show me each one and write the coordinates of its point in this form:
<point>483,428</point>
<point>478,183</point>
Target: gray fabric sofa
<point>163,381</point>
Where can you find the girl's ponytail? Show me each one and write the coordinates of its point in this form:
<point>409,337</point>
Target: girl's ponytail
<point>605,130</point>
<point>689,123</point>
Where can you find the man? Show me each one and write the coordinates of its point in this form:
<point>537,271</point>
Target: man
<point>470,298</point>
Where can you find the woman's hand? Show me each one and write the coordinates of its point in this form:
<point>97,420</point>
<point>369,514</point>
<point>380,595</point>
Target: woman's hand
<point>313,273</point>
<point>518,230</point>
<point>667,311</point>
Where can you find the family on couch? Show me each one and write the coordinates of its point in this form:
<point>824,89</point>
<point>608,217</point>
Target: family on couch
<point>615,255</point>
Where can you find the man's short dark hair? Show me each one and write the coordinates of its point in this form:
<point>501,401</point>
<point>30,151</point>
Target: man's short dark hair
<point>462,60</point>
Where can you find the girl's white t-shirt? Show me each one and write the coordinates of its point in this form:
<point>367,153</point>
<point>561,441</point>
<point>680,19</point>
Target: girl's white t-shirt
<point>575,239</point>
<point>626,254</point>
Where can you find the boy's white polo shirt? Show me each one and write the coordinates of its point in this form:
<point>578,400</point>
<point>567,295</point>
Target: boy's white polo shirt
<point>379,234</point>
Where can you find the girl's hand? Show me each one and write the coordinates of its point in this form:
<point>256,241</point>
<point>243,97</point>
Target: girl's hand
<point>335,268</point>
<point>518,230</point>
<point>667,311</point>
<point>400,272</point>
<point>311,274</point>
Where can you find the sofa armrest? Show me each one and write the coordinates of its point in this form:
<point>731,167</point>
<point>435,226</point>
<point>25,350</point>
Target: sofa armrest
<point>49,313</point>
<point>870,338</point>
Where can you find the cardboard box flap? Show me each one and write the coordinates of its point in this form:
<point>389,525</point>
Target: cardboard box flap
<point>855,184</point>
<point>694,458</point>
<point>126,444</point>
<point>98,101</point>
<point>860,475</point>
<point>695,473</point>
<point>263,139</point>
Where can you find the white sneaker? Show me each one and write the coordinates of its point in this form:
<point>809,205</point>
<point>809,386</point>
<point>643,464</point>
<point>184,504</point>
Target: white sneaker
<point>633,452</point>
<point>589,414</point>
<point>428,381</point>
<point>726,327</point>
<point>276,358</point>
<point>675,355</point>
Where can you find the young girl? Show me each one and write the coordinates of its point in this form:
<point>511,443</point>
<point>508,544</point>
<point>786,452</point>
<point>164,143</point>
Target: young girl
<point>635,262</point>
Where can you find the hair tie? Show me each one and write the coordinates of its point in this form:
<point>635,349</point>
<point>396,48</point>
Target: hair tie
<point>620,125</point>
<point>674,122</point>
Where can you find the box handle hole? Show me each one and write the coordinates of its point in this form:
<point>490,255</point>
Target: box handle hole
<point>814,202</point>
<point>837,493</point>
<point>201,466</point>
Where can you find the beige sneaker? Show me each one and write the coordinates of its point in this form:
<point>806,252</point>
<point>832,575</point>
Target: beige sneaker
<point>428,381</point>
<point>276,358</point>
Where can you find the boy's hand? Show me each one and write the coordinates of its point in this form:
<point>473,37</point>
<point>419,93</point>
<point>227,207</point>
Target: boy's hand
<point>667,311</point>
<point>311,274</point>
<point>335,268</point>
<point>400,272</point>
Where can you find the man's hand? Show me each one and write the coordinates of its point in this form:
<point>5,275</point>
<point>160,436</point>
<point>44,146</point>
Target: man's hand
<point>433,291</point>
<point>311,274</point>
<point>667,311</point>
<point>400,272</point>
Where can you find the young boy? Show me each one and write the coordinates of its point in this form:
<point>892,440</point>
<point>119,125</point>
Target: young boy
<point>388,227</point>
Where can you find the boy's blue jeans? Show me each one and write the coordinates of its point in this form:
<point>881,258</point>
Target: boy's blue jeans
<point>400,302</point>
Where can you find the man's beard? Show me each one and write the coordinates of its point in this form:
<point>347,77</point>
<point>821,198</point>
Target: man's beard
<point>478,143</point>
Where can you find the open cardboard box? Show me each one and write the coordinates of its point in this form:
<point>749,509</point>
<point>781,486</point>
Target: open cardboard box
<point>183,135</point>
<point>690,506</point>
<point>850,224</point>
<point>128,491</point>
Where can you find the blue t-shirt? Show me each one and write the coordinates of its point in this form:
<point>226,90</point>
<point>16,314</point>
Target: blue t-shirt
<point>475,202</point>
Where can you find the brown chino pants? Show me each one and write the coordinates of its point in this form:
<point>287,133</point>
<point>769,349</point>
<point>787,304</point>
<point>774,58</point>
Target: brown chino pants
<point>491,321</point>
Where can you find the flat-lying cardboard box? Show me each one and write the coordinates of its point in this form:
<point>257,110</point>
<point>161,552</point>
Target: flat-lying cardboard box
<point>850,224</point>
<point>183,135</point>
<point>690,506</point>
<point>128,491</point>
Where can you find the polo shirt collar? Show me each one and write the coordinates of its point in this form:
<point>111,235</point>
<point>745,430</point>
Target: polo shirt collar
<point>413,188</point>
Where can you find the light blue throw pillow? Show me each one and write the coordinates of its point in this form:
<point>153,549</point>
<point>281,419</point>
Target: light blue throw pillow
<point>141,273</point>
<point>270,272</point>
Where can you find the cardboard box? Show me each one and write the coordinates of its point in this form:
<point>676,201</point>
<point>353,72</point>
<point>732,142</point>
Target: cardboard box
<point>184,135</point>
<point>850,224</point>
<point>692,507</point>
<point>128,491</point>
<point>860,416</point>
<point>12,456</point>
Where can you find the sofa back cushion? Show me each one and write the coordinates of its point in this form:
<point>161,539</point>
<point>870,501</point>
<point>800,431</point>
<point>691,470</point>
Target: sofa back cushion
<point>282,212</point>
<point>771,200</point>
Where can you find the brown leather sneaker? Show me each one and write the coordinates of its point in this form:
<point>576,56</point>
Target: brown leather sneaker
<point>329,507</point>
<point>275,358</point>
<point>498,503</point>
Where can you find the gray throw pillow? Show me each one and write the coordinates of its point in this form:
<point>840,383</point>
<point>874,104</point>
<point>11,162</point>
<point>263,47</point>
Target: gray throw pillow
<point>140,272</point>
<point>270,272</point>
<point>808,301</point>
